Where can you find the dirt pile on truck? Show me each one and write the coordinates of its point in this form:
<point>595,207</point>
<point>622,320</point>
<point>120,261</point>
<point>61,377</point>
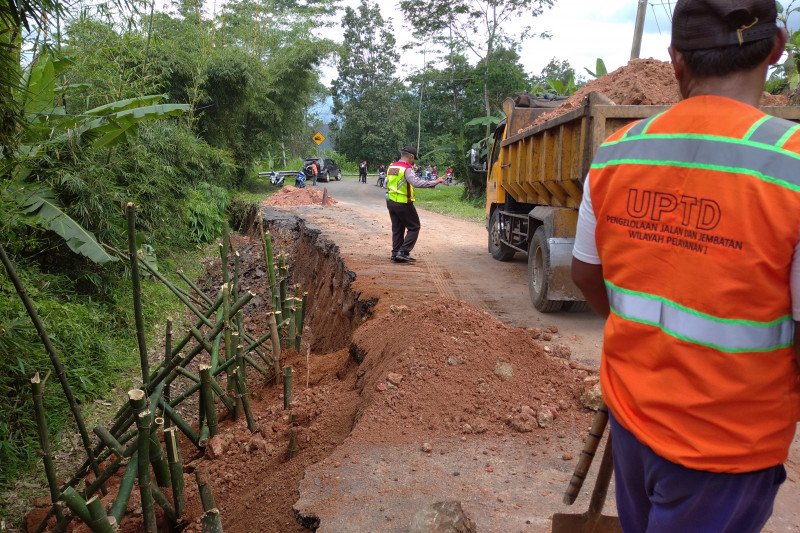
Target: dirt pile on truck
<point>640,82</point>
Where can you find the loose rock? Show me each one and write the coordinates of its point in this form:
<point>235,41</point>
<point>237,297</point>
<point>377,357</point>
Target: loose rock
<point>442,517</point>
<point>504,370</point>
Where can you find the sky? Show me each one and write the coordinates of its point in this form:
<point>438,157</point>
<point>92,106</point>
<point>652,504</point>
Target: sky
<point>582,31</point>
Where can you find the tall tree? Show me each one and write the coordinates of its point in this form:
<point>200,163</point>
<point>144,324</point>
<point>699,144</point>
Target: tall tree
<point>370,120</point>
<point>478,26</point>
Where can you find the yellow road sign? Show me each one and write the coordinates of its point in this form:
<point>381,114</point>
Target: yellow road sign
<point>318,138</point>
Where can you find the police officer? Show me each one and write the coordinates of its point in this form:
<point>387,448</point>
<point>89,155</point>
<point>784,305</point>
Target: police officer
<point>401,180</point>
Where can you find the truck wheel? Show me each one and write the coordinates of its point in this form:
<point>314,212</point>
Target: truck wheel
<point>538,267</point>
<point>576,307</point>
<point>500,251</point>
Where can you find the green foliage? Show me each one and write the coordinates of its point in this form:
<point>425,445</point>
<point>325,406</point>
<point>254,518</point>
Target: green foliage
<point>372,121</point>
<point>600,69</point>
<point>206,206</point>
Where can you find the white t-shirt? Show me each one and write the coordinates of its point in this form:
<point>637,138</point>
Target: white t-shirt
<point>586,247</point>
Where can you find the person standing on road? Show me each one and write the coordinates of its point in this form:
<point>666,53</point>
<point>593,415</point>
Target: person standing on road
<point>362,171</point>
<point>314,172</point>
<point>401,181</point>
<point>680,246</point>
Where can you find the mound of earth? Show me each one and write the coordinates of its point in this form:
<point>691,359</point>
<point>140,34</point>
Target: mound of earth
<point>640,82</point>
<point>291,196</point>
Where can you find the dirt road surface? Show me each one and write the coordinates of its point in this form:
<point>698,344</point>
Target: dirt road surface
<point>378,487</point>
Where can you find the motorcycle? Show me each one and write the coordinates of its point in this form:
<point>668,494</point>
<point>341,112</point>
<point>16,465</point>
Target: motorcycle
<point>381,180</point>
<point>300,180</point>
<point>276,179</point>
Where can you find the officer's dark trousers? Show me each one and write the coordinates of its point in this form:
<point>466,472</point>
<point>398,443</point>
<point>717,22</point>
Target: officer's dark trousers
<point>405,226</point>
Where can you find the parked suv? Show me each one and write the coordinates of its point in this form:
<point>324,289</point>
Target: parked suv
<point>328,169</point>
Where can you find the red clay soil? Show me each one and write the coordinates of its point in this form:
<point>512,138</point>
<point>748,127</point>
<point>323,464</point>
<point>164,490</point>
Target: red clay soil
<point>290,196</point>
<point>640,82</point>
<point>443,368</point>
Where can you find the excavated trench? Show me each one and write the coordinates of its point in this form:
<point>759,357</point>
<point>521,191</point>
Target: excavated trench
<point>335,309</point>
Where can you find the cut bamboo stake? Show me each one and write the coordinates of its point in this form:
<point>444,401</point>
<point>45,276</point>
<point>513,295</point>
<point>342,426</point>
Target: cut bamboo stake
<point>99,522</point>
<point>175,469</point>
<point>120,504</point>
<point>242,388</point>
<point>212,522</point>
<point>298,318</point>
<point>236,272</point>
<point>130,212</point>
<point>76,504</point>
<point>283,275</point>
<point>167,355</point>
<point>44,443</point>
<point>266,240</point>
<point>204,489</point>
<point>143,422</point>
<point>108,439</point>
<point>291,334</point>
<point>207,399</point>
<point>276,346</point>
<point>233,378</point>
<point>157,457</point>
<point>180,423</point>
<point>54,360</point>
<point>287,387</point>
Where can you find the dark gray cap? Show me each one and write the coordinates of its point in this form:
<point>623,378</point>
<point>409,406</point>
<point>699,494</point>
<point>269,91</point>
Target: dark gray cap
<point>704,24</point>
<point>408,149</point>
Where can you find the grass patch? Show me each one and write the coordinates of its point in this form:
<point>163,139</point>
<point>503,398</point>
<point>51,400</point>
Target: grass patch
<point>255,189</point>
<point>449,201</point>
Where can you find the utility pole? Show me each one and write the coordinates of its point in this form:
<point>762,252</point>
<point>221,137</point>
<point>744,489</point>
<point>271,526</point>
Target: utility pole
<point>421,90</point>
<point>638,29</point>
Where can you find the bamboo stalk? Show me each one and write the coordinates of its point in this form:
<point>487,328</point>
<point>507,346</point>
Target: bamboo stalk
<point>167,356</point>
<point>204,489</point>
<point>108,439</point>
<point>194,287</point>
<point>171,441</point>
<point>212,522</point>
<point>258,342</point>
<point>44,443</point>
<point>130,212</point>
<point>283,280</point>
<point>241,386</point>
<point>143,422</point>
<point>236,272</point>
<point>292,333</point>
<point>252,362</point>
<point>157,457</point>
<point>54,360</point>
<point>163,502</point>
<point>223,256</point>
<point>233,378</point>
<point>120,504</point>
<point>214,359</point>
<point>207,398</point>
<point>76,504</point>
<point>187,374</point>
<point>287,387</point>
<point>180,423</point>
<point>266,241</point>
<point>97,514</point>
<point>276,345</point>
<point>298,318</point>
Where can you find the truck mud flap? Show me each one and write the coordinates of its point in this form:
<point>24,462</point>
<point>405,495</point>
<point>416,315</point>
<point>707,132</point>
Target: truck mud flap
<point>559,279</point>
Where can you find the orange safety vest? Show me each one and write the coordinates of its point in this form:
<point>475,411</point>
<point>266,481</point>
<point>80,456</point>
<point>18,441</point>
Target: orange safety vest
<point>698,216</point>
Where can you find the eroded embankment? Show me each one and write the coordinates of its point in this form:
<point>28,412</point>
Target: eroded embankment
<point>409,375</point>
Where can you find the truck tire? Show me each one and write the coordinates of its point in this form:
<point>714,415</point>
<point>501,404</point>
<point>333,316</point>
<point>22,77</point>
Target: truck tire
<point>538,266</point>
<point>576,306</point>
<point>500,251</point>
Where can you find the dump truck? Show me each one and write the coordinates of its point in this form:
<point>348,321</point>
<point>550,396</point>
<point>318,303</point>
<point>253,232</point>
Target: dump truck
<point>534,185</point>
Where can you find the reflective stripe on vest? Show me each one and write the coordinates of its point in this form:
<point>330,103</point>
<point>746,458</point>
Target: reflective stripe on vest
<point>400,190</point>
<point>725,335</point>
<point>769,163</point>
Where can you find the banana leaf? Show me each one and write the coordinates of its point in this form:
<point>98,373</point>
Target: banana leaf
<point>41,204</point>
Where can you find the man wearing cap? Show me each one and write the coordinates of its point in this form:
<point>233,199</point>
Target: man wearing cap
<point>401,180</point>
<point>687,242</point>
